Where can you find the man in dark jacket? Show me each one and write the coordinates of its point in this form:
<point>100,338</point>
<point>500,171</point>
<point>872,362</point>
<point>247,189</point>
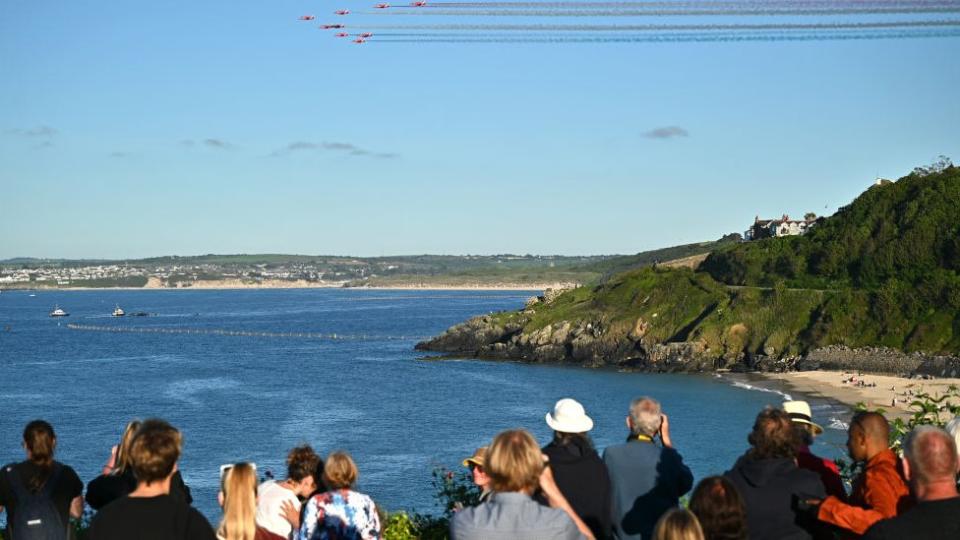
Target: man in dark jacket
<point>931,465</point>
<point>770,482</point>
<point>577,469</point>
<point>646,479</point>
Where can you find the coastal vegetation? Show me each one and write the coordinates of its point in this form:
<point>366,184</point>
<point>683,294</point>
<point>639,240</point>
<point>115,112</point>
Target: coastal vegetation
<point>883,271</point>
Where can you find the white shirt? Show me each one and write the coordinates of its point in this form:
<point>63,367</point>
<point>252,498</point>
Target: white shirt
<point>271,496</point>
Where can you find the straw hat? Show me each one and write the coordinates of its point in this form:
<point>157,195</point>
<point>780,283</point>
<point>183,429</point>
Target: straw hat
<point>568,416</point>
<point>799,412</point>
<point>478,457</point>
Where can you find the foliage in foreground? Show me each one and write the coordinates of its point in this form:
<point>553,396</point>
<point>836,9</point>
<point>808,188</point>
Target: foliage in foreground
<point>926,410</point>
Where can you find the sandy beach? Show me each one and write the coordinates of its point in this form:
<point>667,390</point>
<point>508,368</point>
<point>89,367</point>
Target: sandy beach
<point>891,393</point>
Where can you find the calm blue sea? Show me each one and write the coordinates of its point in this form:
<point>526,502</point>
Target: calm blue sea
<point>252,397</point>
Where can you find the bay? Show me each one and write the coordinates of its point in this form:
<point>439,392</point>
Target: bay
<point>247,374</point>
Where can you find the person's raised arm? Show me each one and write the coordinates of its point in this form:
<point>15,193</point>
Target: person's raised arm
<point>665,431</point>
<point>556,500</point>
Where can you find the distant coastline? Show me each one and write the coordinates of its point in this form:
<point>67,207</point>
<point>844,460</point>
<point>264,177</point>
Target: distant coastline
<point>155,285</point>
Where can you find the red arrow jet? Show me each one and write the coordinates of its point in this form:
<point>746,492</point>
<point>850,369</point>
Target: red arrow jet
<point>342,12</point>
<point>331,26</point>
<point>307,17</point>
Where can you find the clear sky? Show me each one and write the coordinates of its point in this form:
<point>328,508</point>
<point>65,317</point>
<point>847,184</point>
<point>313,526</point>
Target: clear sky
<point>185,127</point>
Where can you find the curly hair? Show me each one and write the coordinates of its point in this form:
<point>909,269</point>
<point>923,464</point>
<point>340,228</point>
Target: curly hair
<point>302,462</point>
<point>717,504</point>
<point>773,436</point>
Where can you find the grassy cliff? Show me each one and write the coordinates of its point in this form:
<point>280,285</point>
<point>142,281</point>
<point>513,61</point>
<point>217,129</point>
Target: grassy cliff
<point>884,271</point>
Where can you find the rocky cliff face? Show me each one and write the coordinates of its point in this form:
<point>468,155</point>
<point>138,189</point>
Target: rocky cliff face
<point>594,344</point>
<point>587,343</point>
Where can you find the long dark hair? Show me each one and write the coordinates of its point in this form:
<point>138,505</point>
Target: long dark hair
<point>40,440</point>
<point>561,438</point>
<point>720,509</point>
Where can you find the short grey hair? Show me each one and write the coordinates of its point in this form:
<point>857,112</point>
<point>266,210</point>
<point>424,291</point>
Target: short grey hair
<point>932,454</point>
<point>645,413</point>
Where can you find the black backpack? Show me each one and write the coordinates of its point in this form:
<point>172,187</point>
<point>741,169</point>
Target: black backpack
<point>36,516</point>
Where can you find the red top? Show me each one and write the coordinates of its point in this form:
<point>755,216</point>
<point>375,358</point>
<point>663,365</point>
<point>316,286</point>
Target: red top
<point>826,468</point>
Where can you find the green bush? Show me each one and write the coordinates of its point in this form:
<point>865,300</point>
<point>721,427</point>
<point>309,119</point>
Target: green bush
<point>926,410</point>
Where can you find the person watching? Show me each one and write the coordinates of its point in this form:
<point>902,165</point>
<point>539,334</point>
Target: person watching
<point>117,477</point>
<point>717,504</point>
<point>480,477</point>
<point>807,430</point>
<point>678,524</point>
<point>577,468</point>
<point>54,487</point>
<point>646,479</point>
<point>238,498</point>
<point>341,512</point>
<point>517,468</point>
<point>930,464</point>
<point>879,492</point>
<point>278,504</point>
<point>149,512</point>
<point>769,481</point>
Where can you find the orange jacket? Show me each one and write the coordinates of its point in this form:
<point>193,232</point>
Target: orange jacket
<point>878,493</point>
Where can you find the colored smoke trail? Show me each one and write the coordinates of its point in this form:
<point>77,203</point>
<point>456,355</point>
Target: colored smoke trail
<point>821,4</point>
<point>671,27</point>
<point>677,38</point>
<point>659,13</point>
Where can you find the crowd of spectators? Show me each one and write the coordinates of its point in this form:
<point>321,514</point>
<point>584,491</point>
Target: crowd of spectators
<point>778,489</point>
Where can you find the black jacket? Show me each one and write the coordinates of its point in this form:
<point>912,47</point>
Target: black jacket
<point>583,480</point>
<point>107,488</point>
<point>768,488</point>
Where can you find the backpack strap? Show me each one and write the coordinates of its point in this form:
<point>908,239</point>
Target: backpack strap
<point>20,492</point>
<point>51,482</point>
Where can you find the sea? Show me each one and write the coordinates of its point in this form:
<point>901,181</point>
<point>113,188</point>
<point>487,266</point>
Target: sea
<point>248,374</point>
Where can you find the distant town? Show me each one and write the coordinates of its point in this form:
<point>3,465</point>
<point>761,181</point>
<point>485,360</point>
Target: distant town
<point>277,270</point>
<point>280,270</point>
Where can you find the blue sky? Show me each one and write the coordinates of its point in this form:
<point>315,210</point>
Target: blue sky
<point>230,127</point>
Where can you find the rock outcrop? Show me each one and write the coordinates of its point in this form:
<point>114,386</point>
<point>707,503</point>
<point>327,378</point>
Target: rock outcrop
<point>594,344</point>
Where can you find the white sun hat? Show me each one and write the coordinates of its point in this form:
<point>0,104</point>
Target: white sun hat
<point>568,416</point>
<point>799,412</point>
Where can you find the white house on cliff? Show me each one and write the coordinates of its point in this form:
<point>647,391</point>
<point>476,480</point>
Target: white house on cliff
<point>772,228</point>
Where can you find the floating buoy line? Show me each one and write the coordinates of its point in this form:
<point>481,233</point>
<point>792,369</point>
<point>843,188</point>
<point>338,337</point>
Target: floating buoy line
<point>226,332</point>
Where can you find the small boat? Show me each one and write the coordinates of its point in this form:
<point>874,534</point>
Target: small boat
<point>118,312</point>
<point>58,312</point>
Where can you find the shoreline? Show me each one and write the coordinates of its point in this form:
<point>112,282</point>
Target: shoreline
<point>239,287</point>
<point>830,385</point>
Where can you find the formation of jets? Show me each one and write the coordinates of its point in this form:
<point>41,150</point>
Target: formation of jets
<point>361,38</point>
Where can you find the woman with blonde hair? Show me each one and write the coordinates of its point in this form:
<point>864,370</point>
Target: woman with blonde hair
<point>238,497</point>
<point>678,524</point>
<point>340,513</point>
<point>517,469</point>
<point>117,477</point>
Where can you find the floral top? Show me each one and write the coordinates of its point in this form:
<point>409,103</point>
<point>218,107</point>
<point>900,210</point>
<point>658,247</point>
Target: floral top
<point>340,515</point>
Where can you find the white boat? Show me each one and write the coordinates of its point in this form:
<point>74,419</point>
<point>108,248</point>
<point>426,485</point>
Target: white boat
<point>118,312</point>
<point>58,312</point>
